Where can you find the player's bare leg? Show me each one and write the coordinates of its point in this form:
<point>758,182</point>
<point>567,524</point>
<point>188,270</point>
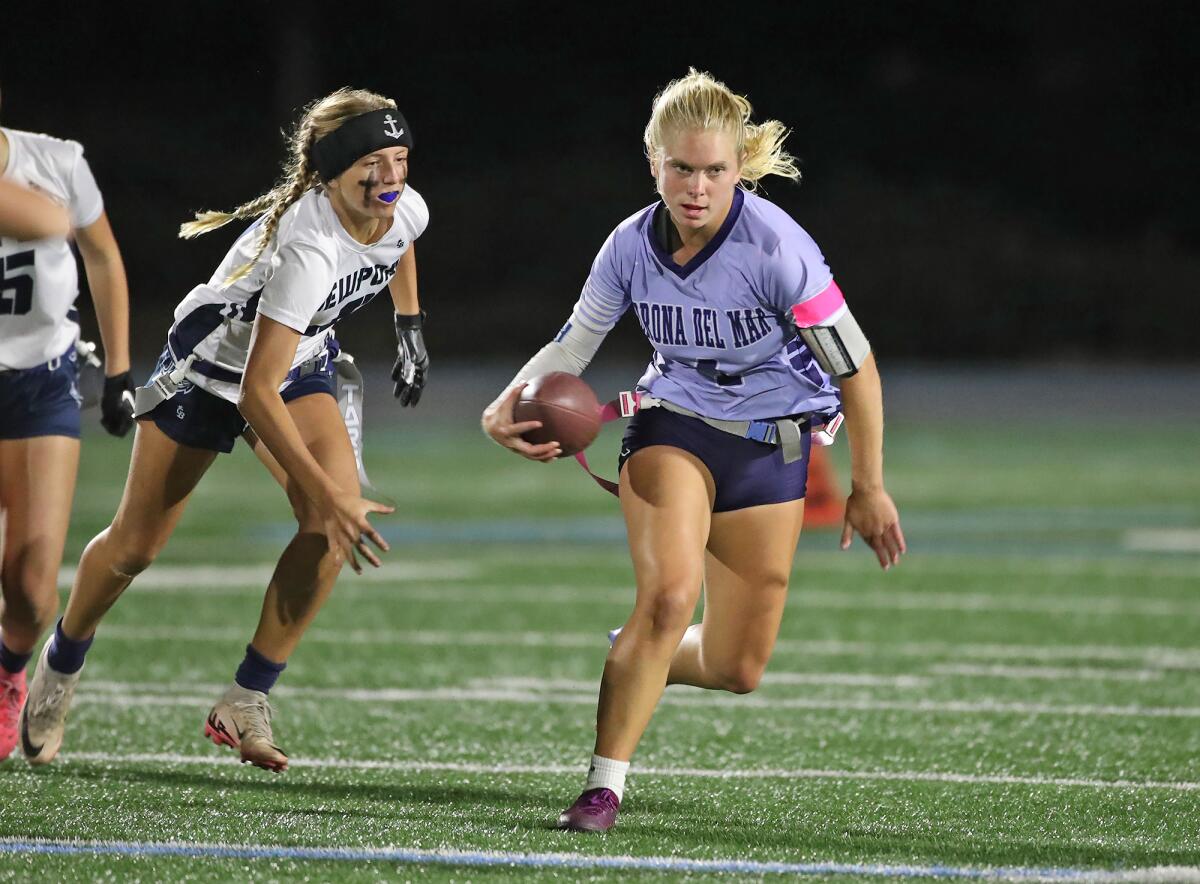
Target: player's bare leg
<point>749,559</point>
<point>302,581</point>
<point>666,497</point>
<point>162,475</point>
<point>37,484</point>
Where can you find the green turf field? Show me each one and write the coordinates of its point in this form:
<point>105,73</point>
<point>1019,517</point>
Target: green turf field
<point>1022,694</point>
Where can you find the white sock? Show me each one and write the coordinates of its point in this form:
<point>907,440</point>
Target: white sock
<point>605,773</point>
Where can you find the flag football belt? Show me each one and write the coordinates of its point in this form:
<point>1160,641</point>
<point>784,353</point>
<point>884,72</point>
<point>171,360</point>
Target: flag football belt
<point>786,432</point>
<point>349,395</point>
<point>165,385</point>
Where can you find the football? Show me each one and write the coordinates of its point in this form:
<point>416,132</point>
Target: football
<point>567,408</point>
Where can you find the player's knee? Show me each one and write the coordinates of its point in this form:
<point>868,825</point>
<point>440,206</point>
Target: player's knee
<point>772,581</point>
<point>671,611</point>
<point>742,676</point>
<point>129,553</point>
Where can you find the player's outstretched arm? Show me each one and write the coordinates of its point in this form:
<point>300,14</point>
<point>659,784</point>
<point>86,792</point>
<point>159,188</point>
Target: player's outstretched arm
<point>110,293</point>
<point>869,510</point>
<point>25,215</point>
<point>499,423</point>
<point>411,369</point>
<point>344,513</point>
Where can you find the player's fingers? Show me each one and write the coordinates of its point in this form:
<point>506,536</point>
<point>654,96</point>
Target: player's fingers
<point>374,506</point>
<point>367,553</point>
<point>348,549</point>
<point>540,452</point>
<point>881,551</point>
<point>522,428</point>
<point>899,535</point>
<point>890,550</point>
<point>375,537</point>
<point>847,534</point>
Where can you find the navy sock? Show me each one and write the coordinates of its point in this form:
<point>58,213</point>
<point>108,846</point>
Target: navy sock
<point>257,673</point>
<point>10,660</point>
<point>66,654</point>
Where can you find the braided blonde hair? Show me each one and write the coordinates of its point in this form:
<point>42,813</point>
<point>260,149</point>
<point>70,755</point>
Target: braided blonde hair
<point>320,117</point>
<point>699,101</point>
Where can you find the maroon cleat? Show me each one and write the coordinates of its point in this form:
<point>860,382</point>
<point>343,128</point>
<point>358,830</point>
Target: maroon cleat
<point>593,811</point>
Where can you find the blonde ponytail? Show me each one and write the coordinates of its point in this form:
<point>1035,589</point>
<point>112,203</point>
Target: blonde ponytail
<point>320,118</point>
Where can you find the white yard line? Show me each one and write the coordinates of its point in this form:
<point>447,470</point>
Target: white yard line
<point>1077,605</point>
<point>248,579</point>
<point>1046,673</point>
<point>840,679</point>
<point>1168,540</point>
<point>803,773</point>
<point>251,580</point>
<point>1148,655</point>
<point>176,694</point>
<point>1107,568</point>
<point>511,860</point>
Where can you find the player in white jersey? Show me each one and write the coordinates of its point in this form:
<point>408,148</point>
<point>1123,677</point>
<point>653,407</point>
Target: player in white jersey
<point>25,214</point>
<point>46,190</point>
<point>747,327</point>
<point>250,354</point>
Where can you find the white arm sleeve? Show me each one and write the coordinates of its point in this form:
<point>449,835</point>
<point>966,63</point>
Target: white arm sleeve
<point>571,352</point>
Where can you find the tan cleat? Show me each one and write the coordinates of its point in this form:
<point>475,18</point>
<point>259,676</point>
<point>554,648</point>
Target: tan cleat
<point>241,720</point>
<point>44,716</point>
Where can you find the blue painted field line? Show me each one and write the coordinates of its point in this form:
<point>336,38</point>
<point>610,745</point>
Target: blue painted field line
<point>530,860</point>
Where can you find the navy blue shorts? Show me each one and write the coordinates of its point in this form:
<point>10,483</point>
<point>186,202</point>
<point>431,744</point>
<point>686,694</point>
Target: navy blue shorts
<point>746,472</point>
<point>199,419</point>
<point>41,401</point>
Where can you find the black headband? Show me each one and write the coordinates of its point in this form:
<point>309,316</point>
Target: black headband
<point>357,137</point>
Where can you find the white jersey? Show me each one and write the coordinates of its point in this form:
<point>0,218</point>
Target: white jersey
<point>39,280</point>
<point>311,274</point>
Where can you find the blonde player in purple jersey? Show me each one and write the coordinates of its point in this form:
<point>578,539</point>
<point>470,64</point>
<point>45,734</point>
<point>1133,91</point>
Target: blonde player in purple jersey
<point>250,354</point>
<point>748,328</point>
<point>47,191</point>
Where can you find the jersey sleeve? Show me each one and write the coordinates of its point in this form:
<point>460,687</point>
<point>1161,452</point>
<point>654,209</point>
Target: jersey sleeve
<point>301,281</point>
<point>86,204</point>
<point>605,296</point>
<point>419,215</point>
<point>796,272</point>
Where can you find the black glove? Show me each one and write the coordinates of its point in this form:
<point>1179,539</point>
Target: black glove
<point>116,404</point>
<point>412,363</point>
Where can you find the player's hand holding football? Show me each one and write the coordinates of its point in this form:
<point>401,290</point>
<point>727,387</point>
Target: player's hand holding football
<point>412,359</point>
<point>498,422</point>
<point>873,515</point>
<point>346,526</point>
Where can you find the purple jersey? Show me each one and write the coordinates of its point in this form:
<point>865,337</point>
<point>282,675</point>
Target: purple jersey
<point>721,328</point>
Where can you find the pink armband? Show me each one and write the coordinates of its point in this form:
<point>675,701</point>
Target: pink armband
<point>818,309</point>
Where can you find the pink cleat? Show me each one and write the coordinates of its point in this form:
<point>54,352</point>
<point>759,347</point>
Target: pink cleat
<point>241,720</point>
<point>593,811</point>
<point>12,698</point>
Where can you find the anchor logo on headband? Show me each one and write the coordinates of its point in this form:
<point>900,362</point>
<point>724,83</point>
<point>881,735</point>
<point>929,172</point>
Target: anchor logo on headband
<point>391,129</point>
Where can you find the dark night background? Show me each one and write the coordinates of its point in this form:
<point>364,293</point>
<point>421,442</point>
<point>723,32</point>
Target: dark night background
<point>1004,181</point>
